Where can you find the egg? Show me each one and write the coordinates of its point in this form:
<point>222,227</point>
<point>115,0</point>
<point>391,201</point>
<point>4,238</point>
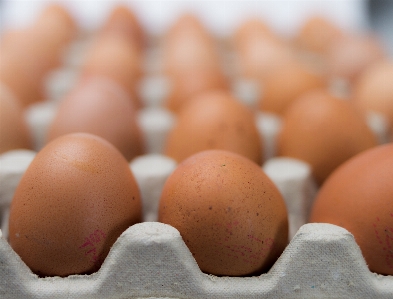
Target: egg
<point>122,20</point>
<point>348,56</point>
<point>258,50</point>
<point>214,120</point>
<point>287,82</point>
<point>317,34</point>
<point>98,106</point>
<point>323,131</point>
<point>358,197</point>
<point>188,84</point>
<point>113,56</point>
<point>29,54</point>
<point>73,202</point>
<point>56,26</point>
<point>373,91</point>
<point>189,46</point>
<point>228,212</point>
<point>14,132</point>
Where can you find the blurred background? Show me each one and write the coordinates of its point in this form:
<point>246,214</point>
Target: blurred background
<point>285,16</point>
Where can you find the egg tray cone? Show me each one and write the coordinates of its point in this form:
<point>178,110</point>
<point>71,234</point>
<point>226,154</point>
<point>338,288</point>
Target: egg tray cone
<point>150,260</point>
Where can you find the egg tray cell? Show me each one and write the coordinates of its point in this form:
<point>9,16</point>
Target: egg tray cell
<point>150,260</point>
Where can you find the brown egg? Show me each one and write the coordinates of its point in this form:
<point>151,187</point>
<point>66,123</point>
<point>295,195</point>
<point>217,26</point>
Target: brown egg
<point>373,91</point>
<point>14,132</point>
<point>323,131</point>
<point>214,120</point>
<point>23,66</point>
<point>122,20</point>
<point>348,56</point>
<point>56,26</point>
<point>317,34</point>
<point>188,84</point>
<point>258,50</point>
<point>358,196</point>
<point>30,53</point>
<point>228,212</point>
<point>99,106</point>
<point>189,46</point>
<point>115,57</point>
<point>73,202</point>
<point>286,83</point>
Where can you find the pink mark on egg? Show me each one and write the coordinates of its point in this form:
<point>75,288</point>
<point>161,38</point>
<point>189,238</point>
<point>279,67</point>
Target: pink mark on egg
<point>90,243</point>
<point>385,239</point>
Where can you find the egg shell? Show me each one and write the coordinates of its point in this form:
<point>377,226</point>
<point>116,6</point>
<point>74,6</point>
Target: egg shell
<point>14,132</point>
<point>373,91</point>
<point>258,50</point>
<point>214,120</point>
<point>187,84</point>
<point>56,26</point>
<point>317,34</point>
<point>358,197</point>
<point>228,212</point>
<point>188,46</point>
<point>99,106</point>
<point>76,197</point>
<point>113,56</point>
<point>122,20</point>
<point>323,131</point>
<point>349,55</point>
<point>24,62</point>
<point>282,86</point>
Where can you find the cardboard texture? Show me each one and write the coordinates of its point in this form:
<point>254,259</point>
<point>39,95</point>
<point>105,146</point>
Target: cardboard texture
<point>151,260</point>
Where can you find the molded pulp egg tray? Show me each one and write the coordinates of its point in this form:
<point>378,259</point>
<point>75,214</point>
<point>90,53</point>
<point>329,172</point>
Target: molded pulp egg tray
<point>150,260</point>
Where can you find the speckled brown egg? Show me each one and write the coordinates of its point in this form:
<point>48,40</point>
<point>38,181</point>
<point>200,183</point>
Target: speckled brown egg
<point>214,120</point>
<point>73,202</point>
<point>358,196</point>
<point>323,131</point>
<point>228,212</point>
<point>14,132</point>
<point>99,106</point>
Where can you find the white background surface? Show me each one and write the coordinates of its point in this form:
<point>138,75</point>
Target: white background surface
<point>221,17</point>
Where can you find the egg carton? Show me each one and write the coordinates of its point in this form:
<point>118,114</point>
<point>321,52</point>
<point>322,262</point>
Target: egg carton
<point>150,260</point>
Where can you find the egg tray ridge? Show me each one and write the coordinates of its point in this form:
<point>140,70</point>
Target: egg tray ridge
<point>150,260</point>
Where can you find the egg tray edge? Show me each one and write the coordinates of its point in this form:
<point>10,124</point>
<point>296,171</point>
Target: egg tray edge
<point>151,260</point>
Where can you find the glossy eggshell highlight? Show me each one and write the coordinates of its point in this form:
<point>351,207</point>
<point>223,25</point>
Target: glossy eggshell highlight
<point>14,132</point>
<point>214,120</point>
<point>228,212</point>
<point>373,91</point>
<point>75,199</point>
<point>99,106</point>
<point>358,196</point>
<point>323,131</point>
